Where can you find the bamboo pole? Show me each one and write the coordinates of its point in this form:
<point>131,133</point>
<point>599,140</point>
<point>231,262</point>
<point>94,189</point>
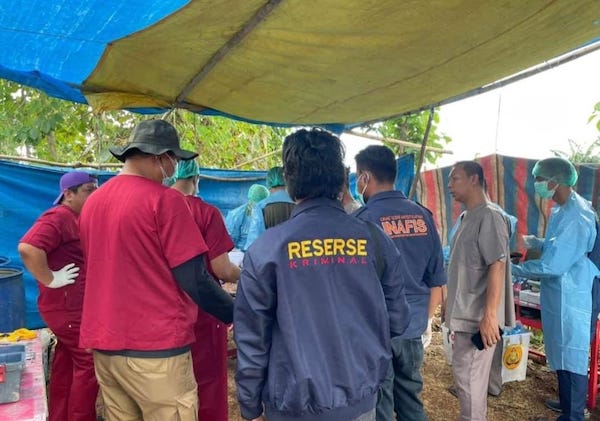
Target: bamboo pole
<point>413,187</point>
<point>258,158</point>
<point>60,164</point>
<point>112,165</point>
<point>398,142</point>
<point>231,44</point>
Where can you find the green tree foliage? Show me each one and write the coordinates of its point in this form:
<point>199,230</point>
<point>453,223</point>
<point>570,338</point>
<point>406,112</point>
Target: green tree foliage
<point>595,117</point>
<point>225,143</point>
<point>411,128</point>
<point>582,153</point>
<point>37,126</point>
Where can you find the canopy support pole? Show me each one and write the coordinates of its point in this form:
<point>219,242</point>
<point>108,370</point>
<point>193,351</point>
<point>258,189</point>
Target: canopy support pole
<point>413,187</point>
<point>258,158</point>
<point>261,15</point>
<point>61,164</point>
<point>404,143</point>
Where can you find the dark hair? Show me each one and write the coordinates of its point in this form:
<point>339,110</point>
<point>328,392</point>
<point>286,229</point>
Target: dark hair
<point>313,164</point>
<point>134,152</point>
<point>76,188</point>
<point>472,168</point>
<point>380,161</point>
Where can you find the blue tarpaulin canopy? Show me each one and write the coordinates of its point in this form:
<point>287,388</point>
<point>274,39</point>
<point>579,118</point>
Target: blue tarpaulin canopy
<point>288,62</point>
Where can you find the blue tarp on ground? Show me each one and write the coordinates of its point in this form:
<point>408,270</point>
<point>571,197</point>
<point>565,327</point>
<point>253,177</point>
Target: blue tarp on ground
<point>26,191</point>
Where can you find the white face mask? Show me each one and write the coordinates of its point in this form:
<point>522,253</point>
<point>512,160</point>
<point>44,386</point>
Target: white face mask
<point>175,165</point>
<point>168,180</point>
<point>196,186</point>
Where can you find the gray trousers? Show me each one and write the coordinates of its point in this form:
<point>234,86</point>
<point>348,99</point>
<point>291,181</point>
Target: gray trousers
<point>471,369</point>
<point>495,385</point>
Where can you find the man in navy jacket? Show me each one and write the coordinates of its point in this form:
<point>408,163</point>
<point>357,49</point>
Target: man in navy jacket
<point>412,229</point>
<point>318,297</point>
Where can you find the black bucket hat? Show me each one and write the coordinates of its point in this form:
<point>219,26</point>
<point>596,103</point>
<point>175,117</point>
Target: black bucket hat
<point>154,137</point>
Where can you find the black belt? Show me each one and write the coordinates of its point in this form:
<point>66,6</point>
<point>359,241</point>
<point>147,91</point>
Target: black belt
<point>163,353</point>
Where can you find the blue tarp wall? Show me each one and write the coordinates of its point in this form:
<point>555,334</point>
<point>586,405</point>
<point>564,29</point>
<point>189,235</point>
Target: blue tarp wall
<point>26,191</point>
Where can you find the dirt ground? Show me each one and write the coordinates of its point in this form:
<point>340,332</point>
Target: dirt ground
<point>519,401</point>
<point>522,401</point>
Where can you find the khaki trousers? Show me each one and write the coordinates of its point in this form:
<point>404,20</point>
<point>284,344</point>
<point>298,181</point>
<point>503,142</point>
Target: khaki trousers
<point>471,369</point>
<point>150,389</point>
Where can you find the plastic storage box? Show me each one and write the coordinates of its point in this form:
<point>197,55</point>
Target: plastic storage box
<point>11,369</point>
<point>12,349</point>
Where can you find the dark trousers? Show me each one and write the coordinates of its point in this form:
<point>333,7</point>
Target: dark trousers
<point>595,306</point>
<point>400,392</point>
<point>572,391</point>
<point>209,355</point>
<point>73,387</point>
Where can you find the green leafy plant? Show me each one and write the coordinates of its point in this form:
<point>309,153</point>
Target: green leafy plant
<point>582,153</point>
<point>411,128</point>
<point>34,125</point>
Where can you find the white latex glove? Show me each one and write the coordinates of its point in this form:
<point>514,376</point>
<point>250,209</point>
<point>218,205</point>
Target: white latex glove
<point>426,336</point>
<point>532,242</point>
<point>65,276</point>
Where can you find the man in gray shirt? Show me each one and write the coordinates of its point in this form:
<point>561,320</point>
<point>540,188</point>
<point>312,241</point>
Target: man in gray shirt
<point>478,276</point>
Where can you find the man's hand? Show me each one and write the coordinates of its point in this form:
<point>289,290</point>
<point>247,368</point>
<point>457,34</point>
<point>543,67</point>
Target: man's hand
<point>261,418</point>
<point>65,276</point>
<point>490,333</point>
<point>426,336</point>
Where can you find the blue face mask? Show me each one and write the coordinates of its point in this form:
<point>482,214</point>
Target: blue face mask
<point>541,188</point>
<point>360,195</point>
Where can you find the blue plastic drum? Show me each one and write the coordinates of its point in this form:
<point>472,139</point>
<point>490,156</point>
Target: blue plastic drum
<point>12,299</point>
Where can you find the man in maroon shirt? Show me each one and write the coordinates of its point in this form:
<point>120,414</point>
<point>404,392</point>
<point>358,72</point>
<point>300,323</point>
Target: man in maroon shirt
<point>209,352</point>
<point>145,270</point>
<point>51,251</point>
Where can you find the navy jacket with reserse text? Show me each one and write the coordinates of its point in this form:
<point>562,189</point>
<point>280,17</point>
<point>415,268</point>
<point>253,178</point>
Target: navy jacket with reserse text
<point>312,316</point>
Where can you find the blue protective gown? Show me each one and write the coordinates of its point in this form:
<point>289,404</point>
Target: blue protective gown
<point>237,223</point>
<point>257,221</point>
<point>566,276</point>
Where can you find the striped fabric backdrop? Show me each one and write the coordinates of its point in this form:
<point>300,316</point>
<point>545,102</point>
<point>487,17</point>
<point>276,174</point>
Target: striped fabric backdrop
<point>510,184</point>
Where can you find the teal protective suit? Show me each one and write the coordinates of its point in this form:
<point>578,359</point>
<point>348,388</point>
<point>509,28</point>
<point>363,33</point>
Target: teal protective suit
<point>566,276</point>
